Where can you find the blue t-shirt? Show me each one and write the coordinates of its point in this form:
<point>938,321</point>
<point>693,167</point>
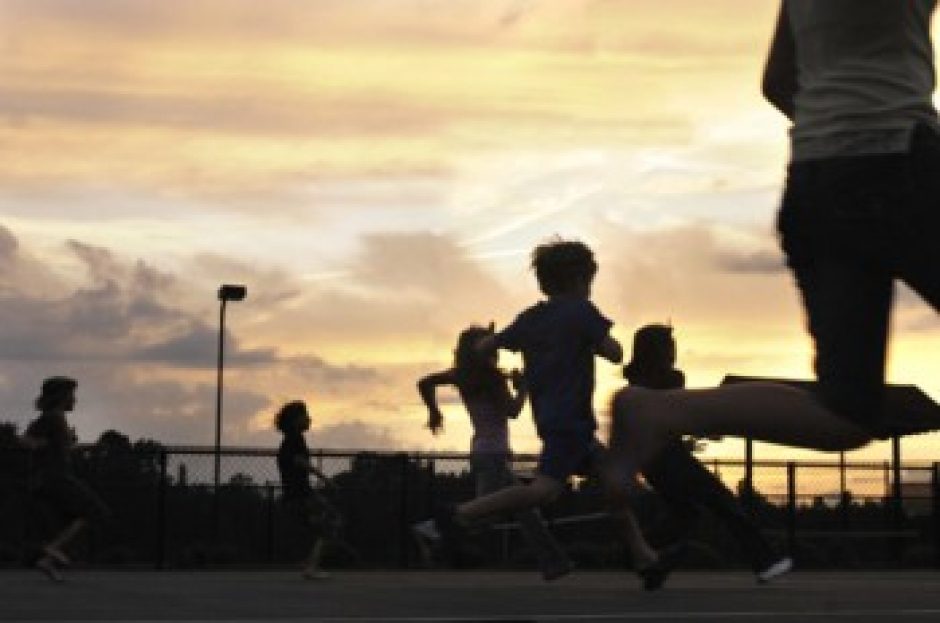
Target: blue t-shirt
<point>558,339</point>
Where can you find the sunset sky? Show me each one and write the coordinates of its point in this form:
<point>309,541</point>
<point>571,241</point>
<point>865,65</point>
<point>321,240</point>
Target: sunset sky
<point>376,172</point>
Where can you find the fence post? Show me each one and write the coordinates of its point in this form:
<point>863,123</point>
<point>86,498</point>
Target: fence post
<point>935,497</point>
<point>431,491</point>
<point>748,492</point>
<point>160,558</point>
<point>269,513</point>
<point>844,500</point>
<point>897,497</point>
<point>403,512</point>
<point>791,506</point>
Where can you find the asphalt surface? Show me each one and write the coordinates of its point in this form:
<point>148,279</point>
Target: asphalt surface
<point>466,596</point>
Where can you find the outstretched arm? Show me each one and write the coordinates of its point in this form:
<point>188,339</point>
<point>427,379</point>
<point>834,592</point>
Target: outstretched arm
<point>427,387</point>
<point>779,84</point>
<point>304,462</point>
<point>610,350</point>
<point>320,475</point>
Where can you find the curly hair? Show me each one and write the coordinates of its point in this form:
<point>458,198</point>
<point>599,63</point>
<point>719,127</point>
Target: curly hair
<point>289,414</point>
<point>54,389</point>
<point>562,265</point>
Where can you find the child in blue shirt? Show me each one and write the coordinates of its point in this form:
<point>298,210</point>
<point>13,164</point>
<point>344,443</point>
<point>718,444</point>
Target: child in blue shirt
<point>558,339</point>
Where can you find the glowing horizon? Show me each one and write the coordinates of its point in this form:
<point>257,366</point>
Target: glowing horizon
<point>376,173</point>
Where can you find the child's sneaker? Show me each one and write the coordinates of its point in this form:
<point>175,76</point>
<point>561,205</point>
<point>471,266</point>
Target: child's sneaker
<point>774,571</point>
<point>654,576</point>
<point>314,573</point>
<point>555,567</point>
<point>451,533</point>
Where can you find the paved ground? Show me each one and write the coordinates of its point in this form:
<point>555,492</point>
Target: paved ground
<point>469,596</point>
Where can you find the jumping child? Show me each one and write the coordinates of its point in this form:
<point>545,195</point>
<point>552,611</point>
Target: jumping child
<point>318,516</point>
<point>859,212</point>
<point>485,394</point>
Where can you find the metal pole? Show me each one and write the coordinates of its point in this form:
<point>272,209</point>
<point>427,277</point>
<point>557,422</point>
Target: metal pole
<point>843,494</point>
<point>748,497</point>
<point>218,422</point>
<point>161,513</point>
<point>403,512</point>
<point>897,501</point>
<point>896,493</point>
<point>935,495</point>
<point>791,505</point>
<point>269,513</point>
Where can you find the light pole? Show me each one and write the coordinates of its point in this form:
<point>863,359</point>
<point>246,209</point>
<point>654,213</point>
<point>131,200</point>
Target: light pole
<point>227,292</point>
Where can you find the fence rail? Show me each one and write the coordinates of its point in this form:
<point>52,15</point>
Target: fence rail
<point>164,502</point>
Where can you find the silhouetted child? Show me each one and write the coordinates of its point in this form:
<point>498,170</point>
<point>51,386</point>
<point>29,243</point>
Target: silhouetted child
<point>682,481</point>
<point>484,391</point>
<point>859,212</point>
<point>558,339</point>
<point>320,518</point>
<point>54,484</point>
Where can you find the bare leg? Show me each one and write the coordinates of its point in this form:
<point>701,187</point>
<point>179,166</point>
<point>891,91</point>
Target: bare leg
<point>511,499</point>
<point>493,473</point>
<point>316,553</point>
<point>543,490</point>
<point>54,547</point>
<point>643,420</point>
<point>643,555</point>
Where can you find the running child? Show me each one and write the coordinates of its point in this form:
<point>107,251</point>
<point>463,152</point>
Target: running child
<point>559,338</point>
<point>318,516</point>
<point>484,391</point>
<point>55,484</point>
<point>679,478</point>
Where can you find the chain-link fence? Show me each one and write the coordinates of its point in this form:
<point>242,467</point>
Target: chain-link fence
<point>169,512</point>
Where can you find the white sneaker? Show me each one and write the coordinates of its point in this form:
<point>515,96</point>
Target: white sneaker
<point>774,571</point>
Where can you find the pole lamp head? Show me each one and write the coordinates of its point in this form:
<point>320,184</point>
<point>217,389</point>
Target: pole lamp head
<point>232,292</point>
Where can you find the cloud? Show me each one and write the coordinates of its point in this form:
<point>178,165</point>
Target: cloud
<point>143,355</point>
<point>701,274</point>
<point>354,435</point>
<point>759,262</point>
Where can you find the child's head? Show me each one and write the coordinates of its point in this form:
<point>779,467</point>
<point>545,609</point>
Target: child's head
<point>564,267</point>
<point>292,417</point>
<point>57,394</point>
<point>654,351</point>
<point>466,355</point>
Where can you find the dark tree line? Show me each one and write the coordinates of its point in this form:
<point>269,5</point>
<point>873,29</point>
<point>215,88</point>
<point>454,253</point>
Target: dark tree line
<point>161,515</point>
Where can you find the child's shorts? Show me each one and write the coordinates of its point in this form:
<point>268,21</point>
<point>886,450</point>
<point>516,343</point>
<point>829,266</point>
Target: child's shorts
<point>72,499</point>
<point>569,455</point>
<point>316,514</point>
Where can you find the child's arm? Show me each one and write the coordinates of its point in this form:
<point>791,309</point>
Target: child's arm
<point>320,475</point>
<point>427,387</point>
<point>522,393</point>
<point>610,349</point>
<point>779,84</point>
<point>304,462</point>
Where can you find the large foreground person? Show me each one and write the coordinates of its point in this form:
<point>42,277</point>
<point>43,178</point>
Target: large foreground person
<point>861,209</point>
